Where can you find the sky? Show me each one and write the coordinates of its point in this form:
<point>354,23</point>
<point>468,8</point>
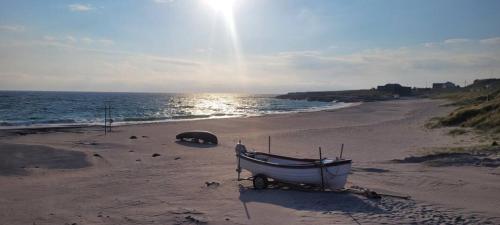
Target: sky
<point>250,46</point>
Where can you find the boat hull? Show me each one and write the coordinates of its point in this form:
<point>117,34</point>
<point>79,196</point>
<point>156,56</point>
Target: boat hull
<point>300,171</point>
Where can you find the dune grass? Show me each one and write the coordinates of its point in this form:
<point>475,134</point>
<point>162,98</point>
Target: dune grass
<point>487,149</point>
<point>457,131</point>
<point>479,109</point>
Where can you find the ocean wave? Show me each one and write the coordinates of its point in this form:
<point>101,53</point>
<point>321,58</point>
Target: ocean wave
<point>29,109</point>
<point>186,107</point>
<point>183,117</point>
<point>5,124</point>
<point>223,114</point>
<point>33,122</point>
<point>58,121</point>
<point>138,119</point>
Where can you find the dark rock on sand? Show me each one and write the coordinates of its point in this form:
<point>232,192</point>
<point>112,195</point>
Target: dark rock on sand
<point>87,143</point>
<point>20,133</point>
<point>196,219</point>
<point>155,155</point>
<point>133,137</point>
<point>212,184</point>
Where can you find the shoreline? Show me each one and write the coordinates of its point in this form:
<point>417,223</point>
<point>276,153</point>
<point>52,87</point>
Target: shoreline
<point>116,180</point>
<point>131,123</point>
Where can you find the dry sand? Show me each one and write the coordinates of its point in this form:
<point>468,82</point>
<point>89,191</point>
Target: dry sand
<point>81,176</point>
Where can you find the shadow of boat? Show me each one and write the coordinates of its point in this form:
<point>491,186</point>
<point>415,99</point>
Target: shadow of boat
<point>312,200</point>
<point>195,145</point>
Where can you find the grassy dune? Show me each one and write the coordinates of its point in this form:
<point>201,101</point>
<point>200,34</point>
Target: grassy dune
<point>479,107</point>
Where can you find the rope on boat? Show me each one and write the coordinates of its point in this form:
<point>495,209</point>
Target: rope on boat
<point>372,194</point>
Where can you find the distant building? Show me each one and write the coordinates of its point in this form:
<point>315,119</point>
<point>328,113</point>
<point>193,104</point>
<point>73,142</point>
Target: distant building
<point>444,85</point>
<point>395,89</point>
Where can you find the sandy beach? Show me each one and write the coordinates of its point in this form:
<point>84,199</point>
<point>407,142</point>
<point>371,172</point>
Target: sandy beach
<point>81,176</point>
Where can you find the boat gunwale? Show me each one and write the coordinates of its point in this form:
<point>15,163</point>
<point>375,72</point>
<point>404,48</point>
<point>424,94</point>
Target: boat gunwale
<point>285,157</point>
<point>313,163</point>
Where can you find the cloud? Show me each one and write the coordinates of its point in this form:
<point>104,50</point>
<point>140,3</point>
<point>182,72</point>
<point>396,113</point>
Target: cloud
<point>456,41</point>
<point>491,41</point>
<point>49,38</point>
<point>55,63</point>
<point>430,44</point>
<point>462,41</point>
<point>13,28</point>
<point>80,7</point>
<point>204,50</point>
<point>72,40</point>
<point>163,1</point>
<point>412,65</point>
<point>88,40</point>
<point>172,61</point>
<point>106,41</point>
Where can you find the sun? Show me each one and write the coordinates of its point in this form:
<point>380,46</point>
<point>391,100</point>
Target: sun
<point>225,10</point>
<point>221,6</point>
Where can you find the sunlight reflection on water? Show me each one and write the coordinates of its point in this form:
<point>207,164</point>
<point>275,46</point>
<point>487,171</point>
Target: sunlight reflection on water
<point>86,108</point>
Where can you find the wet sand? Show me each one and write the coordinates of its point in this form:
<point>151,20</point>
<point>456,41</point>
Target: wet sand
<point>82,176</point>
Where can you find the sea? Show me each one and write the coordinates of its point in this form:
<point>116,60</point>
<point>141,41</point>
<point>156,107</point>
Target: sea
<point>33,109</point>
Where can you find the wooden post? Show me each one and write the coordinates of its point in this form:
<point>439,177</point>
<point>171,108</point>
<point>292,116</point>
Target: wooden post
<point>269,145</point>
<point>341,150</point>
<point>109,115</point>
<point>239,167</point>
<point>238,154</point>
<point>321,169</point>
<point>105,119</point>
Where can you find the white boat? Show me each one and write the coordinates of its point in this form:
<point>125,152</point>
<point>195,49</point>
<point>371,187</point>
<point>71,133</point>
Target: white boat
<point>327,173</point>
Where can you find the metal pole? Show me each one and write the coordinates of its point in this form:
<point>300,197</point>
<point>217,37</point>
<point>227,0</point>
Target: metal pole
<point>321,169</point>
<point>341,150</point>
<point>105,119</point>
<point>109,114</point>
<point>238,153</point>
<point>239,168</point>
<point>269,147</point>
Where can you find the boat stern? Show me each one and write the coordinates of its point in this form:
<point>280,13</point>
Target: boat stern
<point>336,177</point>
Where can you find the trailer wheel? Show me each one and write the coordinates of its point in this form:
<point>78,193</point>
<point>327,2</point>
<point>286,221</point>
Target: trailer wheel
<point>260,182</point>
